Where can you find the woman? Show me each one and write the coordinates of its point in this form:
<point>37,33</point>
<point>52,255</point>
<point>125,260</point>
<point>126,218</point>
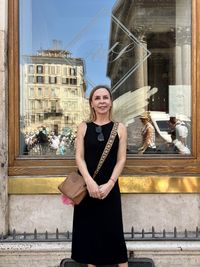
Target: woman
<point>148,136</point>
<point>97,224</point>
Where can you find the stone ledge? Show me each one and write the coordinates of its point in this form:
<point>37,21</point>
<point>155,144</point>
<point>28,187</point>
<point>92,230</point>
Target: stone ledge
<point>12,247</point>
<point>34,254</point>
<point>172,246</point>
<point>50,254</point>
<point>167,246</point>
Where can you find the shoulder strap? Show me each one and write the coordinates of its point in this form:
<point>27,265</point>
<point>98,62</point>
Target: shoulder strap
<point>107,147</point>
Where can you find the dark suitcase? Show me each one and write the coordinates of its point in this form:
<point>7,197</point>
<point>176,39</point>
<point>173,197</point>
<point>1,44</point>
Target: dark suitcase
<point>132,262</point>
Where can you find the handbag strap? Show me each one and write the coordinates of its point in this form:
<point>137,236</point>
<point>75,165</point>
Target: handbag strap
<point>107,147</point>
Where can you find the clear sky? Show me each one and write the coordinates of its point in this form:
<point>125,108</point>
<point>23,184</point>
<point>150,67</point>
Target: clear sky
<point>81,26</point>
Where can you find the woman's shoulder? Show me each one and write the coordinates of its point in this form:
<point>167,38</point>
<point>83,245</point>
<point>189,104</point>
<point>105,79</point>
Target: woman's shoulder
<point>82,127</point>
<point>121,125</point>
<point>82,124</point>
<point>122,130</point>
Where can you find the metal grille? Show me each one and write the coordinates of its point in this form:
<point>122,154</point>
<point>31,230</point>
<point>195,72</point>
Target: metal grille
<point>129,236</point>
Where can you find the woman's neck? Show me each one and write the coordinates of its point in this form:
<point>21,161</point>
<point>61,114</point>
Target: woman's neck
<point>102,119</point>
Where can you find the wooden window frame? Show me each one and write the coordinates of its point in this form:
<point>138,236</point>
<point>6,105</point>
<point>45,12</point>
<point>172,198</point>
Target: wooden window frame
<point>138,165</point>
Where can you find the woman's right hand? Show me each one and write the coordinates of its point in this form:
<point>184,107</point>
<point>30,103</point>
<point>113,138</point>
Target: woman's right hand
<point>93,188</point>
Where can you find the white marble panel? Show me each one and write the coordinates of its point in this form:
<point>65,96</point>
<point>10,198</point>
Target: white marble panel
<point>163,211</point>
<point>142,211</point>
<point>41,212</point>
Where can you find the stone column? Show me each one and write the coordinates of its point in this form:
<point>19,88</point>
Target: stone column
<point>178,64</point>
<point>178,55</point>
<point>186,59</point>
<point>3,119</point>
<point>183,56</point>
<point>145,69</point>
<point>140,74</point>
<point>186,56</point>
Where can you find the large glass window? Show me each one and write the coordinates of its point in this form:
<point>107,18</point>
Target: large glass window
<point>141,49</point>
<point>147,52</point>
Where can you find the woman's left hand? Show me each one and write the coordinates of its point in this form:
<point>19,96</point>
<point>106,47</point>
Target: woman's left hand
<point>105,189</point>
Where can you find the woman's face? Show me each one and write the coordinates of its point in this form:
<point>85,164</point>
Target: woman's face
<point>101,101</point>
<point>144,121</point>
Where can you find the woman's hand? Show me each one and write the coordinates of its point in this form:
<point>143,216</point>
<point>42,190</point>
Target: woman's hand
<point>105,189</point>
<point>93,188</point>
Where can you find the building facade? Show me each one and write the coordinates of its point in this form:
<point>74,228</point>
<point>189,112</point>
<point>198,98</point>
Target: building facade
<point>52,89</point>
<point>156,69</point>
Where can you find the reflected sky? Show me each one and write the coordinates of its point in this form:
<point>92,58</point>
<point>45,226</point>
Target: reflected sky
<point>81,27</point>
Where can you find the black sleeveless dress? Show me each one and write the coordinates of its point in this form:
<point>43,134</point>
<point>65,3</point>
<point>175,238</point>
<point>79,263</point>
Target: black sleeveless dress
<point>97,224</point>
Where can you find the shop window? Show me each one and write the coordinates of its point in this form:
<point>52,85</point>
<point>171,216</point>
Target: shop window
<point>145,51</point>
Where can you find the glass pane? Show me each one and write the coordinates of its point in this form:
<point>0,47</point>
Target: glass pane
<point>141,49</point>
<point>150,71</point>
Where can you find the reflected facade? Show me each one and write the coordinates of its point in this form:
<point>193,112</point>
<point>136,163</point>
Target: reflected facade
<point>53,102</point>
<point>145,57</point>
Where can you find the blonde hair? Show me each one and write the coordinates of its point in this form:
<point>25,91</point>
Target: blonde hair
<point>92,112</point>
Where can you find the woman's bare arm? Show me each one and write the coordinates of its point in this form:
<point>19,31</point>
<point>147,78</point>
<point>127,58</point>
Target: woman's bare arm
<point>92,186</point>
<point>121,159</point>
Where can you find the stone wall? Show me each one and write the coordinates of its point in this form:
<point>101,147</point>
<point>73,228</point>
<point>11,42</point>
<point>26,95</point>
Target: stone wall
<point>3,118</point>
<point>142,211</point>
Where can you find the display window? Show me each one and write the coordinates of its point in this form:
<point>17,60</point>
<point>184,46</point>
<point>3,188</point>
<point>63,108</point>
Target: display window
<point>145,51</point>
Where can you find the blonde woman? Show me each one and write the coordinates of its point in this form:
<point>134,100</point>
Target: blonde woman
<point>97,223</point>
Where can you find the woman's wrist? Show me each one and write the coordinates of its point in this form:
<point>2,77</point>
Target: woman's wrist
<point>112,180</point>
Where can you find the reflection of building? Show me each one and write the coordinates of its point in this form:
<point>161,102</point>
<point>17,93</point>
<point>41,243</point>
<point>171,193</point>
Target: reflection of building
<point>150,45</point>
<point>149,60</point>
<point>53,91</point>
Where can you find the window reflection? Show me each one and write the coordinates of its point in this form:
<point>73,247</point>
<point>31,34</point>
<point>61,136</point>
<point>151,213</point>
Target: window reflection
<point>50,120</point>
<point>149,66</point>
<point>142,49</point>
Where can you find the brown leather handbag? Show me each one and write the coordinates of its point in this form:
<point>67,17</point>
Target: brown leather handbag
<point>74,186</point>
